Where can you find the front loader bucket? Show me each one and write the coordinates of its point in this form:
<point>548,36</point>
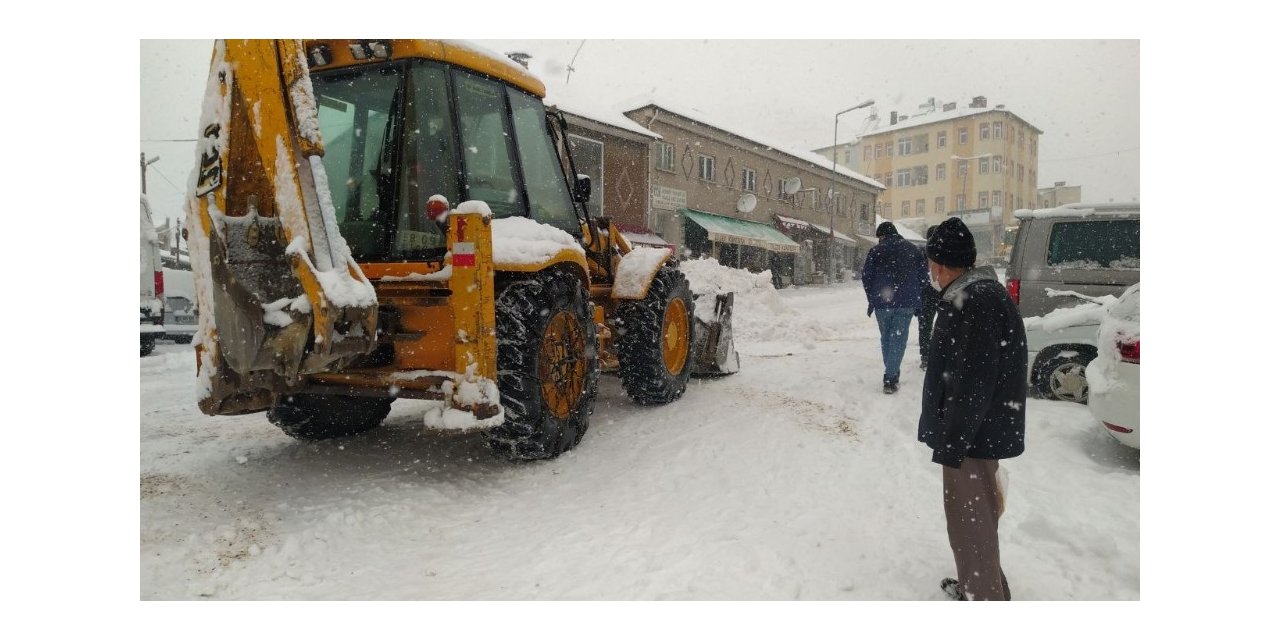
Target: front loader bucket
<point>713,351</point>
<point>279,294</point>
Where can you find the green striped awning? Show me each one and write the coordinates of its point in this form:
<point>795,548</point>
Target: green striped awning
<point>743,232</point>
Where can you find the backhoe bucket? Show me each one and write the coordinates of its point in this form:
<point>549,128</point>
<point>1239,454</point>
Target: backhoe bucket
<point>713,352</point>
<point>278,292</point>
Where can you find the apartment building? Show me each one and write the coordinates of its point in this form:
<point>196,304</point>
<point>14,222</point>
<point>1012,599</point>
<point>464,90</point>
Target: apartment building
<point>976,162</point>
<point>1058,195</point>
<point>718,191</point>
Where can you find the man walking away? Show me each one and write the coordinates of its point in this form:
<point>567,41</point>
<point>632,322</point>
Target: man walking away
<point>892,277</point>
<point>973,408</point>
<point>928,307</point>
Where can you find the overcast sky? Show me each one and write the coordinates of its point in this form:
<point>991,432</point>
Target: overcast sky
<point>1084,94</point>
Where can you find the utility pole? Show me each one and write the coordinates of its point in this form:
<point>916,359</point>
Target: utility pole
<point>142,164</point>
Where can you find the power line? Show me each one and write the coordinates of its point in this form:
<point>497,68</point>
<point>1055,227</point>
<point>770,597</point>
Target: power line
<point>169,140</point>
<point>166,179</point>
<point>1096,155</point>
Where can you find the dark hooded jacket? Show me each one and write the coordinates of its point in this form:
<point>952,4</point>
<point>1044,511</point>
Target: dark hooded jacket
<point>893,274</point>
<point>975,389</point>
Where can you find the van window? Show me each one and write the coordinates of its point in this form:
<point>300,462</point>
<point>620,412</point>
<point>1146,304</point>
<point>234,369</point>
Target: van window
<point>1094,244</point>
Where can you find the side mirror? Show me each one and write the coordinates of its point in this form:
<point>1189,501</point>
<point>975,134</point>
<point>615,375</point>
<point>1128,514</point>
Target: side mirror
<point>582,189</point>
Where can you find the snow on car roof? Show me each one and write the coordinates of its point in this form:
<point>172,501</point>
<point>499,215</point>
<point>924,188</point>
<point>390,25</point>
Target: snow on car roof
<point>1076,210</point>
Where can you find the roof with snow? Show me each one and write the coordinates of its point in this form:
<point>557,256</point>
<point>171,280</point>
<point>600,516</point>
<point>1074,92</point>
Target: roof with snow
<point>692,113</point>
<point>572,100</point>
<point>929,116</point>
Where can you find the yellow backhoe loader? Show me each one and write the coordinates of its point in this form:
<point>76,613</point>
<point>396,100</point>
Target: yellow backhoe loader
<point>382,219</point>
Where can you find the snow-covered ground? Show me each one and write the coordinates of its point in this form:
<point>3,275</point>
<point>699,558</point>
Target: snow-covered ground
<point>793,479</point>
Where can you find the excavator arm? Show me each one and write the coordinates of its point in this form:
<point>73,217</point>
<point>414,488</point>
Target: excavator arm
<point>280,296</point>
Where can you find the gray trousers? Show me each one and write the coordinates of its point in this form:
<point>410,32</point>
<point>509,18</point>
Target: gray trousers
<point>973,504</point>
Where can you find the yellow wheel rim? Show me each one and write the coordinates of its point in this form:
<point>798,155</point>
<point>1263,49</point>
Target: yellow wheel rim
<point>675,336</point>
<point>561,365</point>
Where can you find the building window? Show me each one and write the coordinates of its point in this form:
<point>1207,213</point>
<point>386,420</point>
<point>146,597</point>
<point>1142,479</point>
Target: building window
<point>782,195</point>
<point>888,149</point>
<point>995,199</point>
<point>707,168</point>
<point>920,207</point>
<point>1031,175</point>
<point>920,174</point>
<point>939,205</point>
<point>588,156</point>
<point>964,135</point>
<point>997,164</point>
<point>941,173</point>
<point>984,165</point>
<point>902,178</point>
<point>904,146</point>
<point>982,199</point>
<point>906,208</point>
<point>942,139</point>
<point>1019,202</point>
<point>960,202</point>
<point>1033,146</point>
<point>879,208</point>
<point>863,211</point>
<point>847,156</point>
<point>748,180</point>
<point>998,130</point>
<point>984,131</point>
<point>666,156</point>
<point>1022,138</point>
<point>962,168</point>
<point>866,153</point>
<point>879,150</point>
<point>1019,172</point>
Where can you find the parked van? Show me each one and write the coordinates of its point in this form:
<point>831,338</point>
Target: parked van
<point>1060,256</point>
<point>151,273</point>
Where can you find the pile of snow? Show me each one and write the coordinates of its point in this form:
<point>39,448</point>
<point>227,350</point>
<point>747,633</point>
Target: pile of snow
<point>1120,324</point>
<point>519,240</point>
<point>759,314</point>
<point>1084,314</point>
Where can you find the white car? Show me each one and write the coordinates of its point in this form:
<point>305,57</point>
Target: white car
<point>1062,343</point>
<point>1113,375</point>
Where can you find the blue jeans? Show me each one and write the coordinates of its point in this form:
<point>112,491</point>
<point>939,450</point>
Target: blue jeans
<point>894,326</point>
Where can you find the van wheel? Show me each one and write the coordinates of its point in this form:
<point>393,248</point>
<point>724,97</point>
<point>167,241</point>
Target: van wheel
<point>308,416</point>
<point>1062,378</point>
<point>655,348</point>
<point>548,373</point>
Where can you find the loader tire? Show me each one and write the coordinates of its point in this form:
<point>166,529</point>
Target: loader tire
<point>308,416</point>
<point>548,373</point>
<point>148,345</point>
<point>655,346</point>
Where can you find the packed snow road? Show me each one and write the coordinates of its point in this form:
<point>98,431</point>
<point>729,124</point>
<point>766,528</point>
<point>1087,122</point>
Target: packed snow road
<point>793,479</point>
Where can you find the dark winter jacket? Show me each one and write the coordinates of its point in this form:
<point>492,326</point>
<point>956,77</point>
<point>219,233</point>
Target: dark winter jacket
<point>975,389</point>
<point>893,274</point>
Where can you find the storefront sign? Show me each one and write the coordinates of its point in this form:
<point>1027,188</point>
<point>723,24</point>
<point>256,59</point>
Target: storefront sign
<point>668,198</point>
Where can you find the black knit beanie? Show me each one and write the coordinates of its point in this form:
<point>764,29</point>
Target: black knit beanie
<point>886,229</point>
<point>952,245</point>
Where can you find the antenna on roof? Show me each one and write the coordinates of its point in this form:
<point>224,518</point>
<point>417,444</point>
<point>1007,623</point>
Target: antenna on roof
<point>569,66</point>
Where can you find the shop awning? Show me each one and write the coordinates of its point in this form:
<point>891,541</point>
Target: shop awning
<point>743,232</point>
<point>814,228</point>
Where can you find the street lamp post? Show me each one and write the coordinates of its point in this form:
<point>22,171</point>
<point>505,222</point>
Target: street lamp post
<point>831,202</point>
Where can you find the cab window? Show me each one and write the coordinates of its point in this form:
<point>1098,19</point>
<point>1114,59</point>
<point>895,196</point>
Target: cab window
<point>430,162</point>
<point>354,111</point>
<point>486,145</point>
<point>549,201</point>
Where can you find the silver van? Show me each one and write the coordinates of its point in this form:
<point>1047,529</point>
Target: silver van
<point>1062,257</point>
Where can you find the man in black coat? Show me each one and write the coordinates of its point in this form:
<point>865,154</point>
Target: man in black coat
<point>892,277</point>
<point>928,307</point>
<point>973,407</point>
